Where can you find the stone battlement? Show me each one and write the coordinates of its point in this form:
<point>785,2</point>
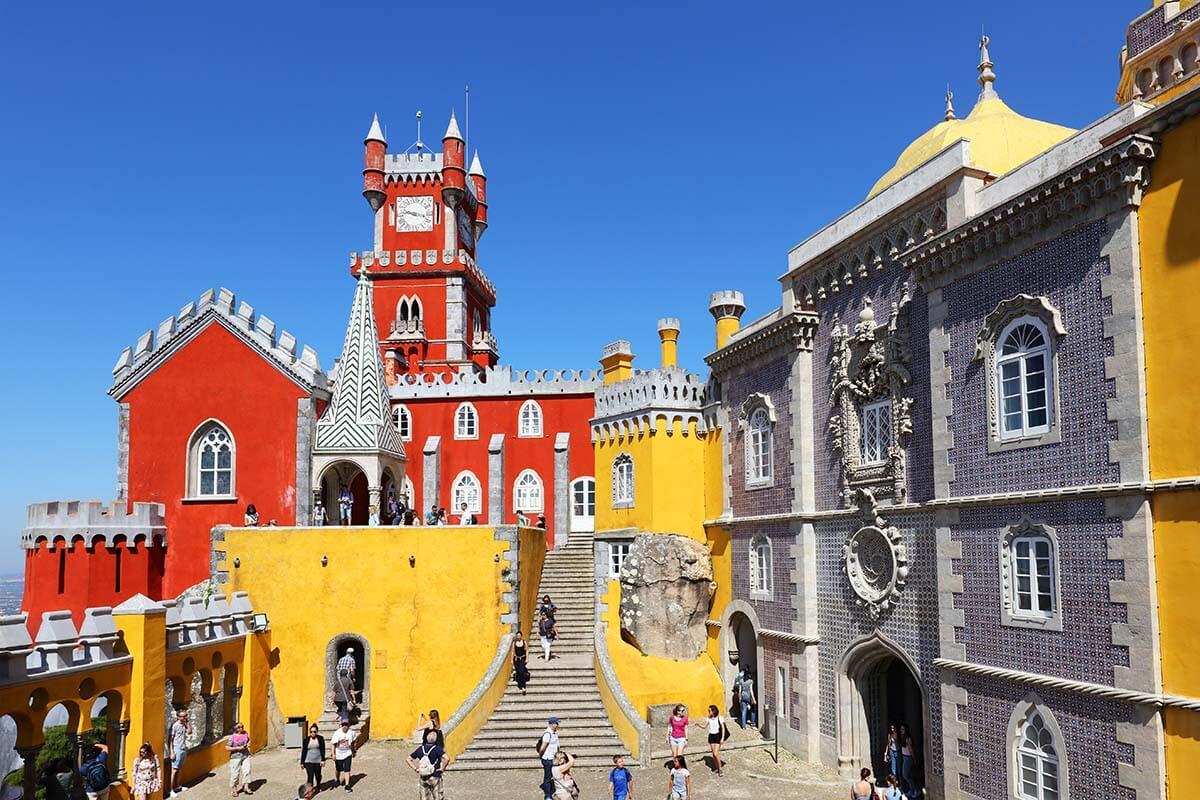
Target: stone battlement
<point>410,164</point>
<point>667,393</point>
<point>421,258</point>
<point>191,622</point>
<point>496,381</point>
<point>94,522</point>
<point>258,329</point>
<point>58,647</point>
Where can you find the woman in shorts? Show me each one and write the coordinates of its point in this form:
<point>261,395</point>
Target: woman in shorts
<point>677,730</point>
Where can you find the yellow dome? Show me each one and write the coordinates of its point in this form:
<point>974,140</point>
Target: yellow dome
<point>1000,140</point>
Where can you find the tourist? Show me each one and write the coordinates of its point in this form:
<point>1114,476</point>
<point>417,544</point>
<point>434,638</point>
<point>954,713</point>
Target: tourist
<point>393,511</point>
<point>718,732</point>
<point>412,518</point>
<point>747,700</point>
<point>907,756</point>
<point>679,783</point>
<point>677,730</point>
<point>312,755</point>
<point>428,761</point>
<point>432,517</point>
<point>95,774</point>
<point>862,789</point>
<point>181,729</point>
<point>621,780</point>
<point>465,517</point>
<point>251,516</point>
<point>345,505</point>
<point>320,518</point>
<point>541,523</point>
<point>547,750</point>
<point>564,785</point>
<point>238,745</point>
<point>343,742</point>
<point>432,723</point>
<point>548,607</point>
<point>345,674</point>
<point>891,751</point>
<point>547,632</point>
<point>147,773</point>
<point>306,791</point>
<point>521,662</point>
<point>443,517</point>
<point>892,792</point>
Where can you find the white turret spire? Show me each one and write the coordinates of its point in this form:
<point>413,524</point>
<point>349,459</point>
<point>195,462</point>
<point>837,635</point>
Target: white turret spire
<point>452,131</point>
<point>476,166</point>
<point>376,133</point>
<point>986,76</point>
<point>949,106</point>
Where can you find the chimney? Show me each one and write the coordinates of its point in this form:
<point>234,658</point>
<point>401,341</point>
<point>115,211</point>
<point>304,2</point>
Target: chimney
<point>727,307</point>
<point>617,361</point>
<point>668,336</point>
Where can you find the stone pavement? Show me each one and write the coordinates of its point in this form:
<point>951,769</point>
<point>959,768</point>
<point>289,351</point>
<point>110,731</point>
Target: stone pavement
<point>381,774</point>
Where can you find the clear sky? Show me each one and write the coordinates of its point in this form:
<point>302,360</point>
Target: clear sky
<point>639,156</point>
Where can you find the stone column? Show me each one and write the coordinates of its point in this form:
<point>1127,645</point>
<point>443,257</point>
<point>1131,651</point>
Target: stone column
<point>75,743</point>
<point>562,488</point>
<point>29,770</point>
<point>431,473</point>
<point>142,623</point>
<point>209,700</point>
<point>235,710</point>
<point>496,482</point>
<point>373,494</point>
<point>122,738</point>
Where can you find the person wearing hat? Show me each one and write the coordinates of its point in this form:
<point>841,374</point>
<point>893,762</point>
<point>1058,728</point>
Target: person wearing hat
<point>345,674</point>
<point>343,751</point>
<point>547,749</point>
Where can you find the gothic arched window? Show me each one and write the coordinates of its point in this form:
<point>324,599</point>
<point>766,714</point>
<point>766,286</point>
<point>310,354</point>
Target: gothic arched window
<point>403,419</point>
<point>466,422</point>
<point>530,419</point>
<point>760,565</point>
<point>1037,768</point>
<point>1023,379</point>
<point>465,491</point>
<point>211,461</point>
<point>527,492</point>
<point>622,481</point>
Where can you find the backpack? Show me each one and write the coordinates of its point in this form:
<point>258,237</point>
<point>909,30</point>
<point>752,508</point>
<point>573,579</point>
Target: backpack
<point>95,775</point>
<point>425,767</point>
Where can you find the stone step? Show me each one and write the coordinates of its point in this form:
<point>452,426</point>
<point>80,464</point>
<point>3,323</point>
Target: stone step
<point>534,728</point>
<point>551,693</point>
<point>601,752</point>
<point>576,716</point>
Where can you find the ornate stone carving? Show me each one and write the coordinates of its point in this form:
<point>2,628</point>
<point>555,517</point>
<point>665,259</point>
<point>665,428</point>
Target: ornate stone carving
<point>875,560</point>
<point>870,363</point>
<point>752,403</point>
<point>1012,308</point>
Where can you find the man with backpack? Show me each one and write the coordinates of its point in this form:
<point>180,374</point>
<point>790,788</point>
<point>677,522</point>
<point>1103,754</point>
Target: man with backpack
<point>547,748</point>
<point>428,761</point>
<point>94,772</point>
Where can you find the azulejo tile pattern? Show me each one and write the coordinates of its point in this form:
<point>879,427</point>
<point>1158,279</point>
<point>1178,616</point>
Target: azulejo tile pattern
<point>777,612</point>
<point>772,380</point>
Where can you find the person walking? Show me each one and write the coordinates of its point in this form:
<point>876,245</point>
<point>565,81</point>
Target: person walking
<point>312,756</point>
<point>432,723</point>
<point>429,761</point>
<point>548,607</point>
<point>564,784</point>
<point>320,518</point>
<point>862,789</point>
<point>718,732</point>
<point>907,756</point>
<point>238,745</point>
<point>521,662</point>
<point>95,774</point>
<point>541,521</point>
<point>342,742</point>
<point>345,676</point>
<point>891,750</point>
<point>547,750</point>
<point>748,701</point>
<point>679,783</point>
<point>892,792</point>
<point>251,518</point>
<point>345,505</point>
<point>677,730</point>
<point>181,729</point>
<point>621,780</point>
<point>547,632</point>
<point>147,773</point>
<point>393,511</point>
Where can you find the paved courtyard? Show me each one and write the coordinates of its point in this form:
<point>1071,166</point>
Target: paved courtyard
<point>381,774</point>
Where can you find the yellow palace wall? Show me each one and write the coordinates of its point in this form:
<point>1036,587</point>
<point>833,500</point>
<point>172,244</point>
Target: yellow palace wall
<point>1170,264</point>
<point>433,624</point>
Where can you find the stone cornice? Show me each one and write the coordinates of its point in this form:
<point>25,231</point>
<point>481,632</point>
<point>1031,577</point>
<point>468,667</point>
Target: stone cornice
<point>1107,182</point>
<point>793,332</point>
<point>791,638</point>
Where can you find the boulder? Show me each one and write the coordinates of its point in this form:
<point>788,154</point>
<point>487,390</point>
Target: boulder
<point>666,591</point>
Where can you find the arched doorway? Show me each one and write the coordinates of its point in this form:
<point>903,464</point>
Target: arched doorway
<point>337,475</point>
<point>583,505</point>
<point>879,686</point>
<point>338,647</point>
<point>740,645</point>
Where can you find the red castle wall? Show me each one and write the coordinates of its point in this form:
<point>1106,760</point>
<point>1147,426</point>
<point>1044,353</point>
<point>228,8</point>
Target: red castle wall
<point>74,577</point>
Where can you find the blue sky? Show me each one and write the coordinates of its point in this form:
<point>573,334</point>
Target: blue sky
<point>638,156</point>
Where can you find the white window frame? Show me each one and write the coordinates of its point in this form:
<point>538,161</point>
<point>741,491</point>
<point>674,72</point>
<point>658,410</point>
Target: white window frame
<point>617,553</point>
<point>760,441</point>
<point>1029,712</point>
<point>402,418</point>
<point>761,571</point>
<point>869,417</point>
<point>583,523</point>
<point>192,491</point>
<point>466,422</point>
<point>462,479</point>
<point>1021,359</point>
<point>1012,614</point>
<point>529,420</point>
<point>623,481</point>
<point>411,490</point>
<point>529,492</point>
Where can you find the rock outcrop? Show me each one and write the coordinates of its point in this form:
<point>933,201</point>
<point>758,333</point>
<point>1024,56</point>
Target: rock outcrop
<point>666,591</point>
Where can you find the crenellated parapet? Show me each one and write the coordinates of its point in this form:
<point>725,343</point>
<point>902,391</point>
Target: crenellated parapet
<point>379,261</point>
<point>257,330</point>
<point>197,621</point>
<point>95,523</point>
<point>58,647</point>
<point>636,404</point>
<point>416,167</point>
<point>495,382</point>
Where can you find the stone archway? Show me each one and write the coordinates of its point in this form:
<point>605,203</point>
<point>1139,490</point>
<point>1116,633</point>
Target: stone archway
<point>331,481</point>
<point>335,649</point>
<point>879,685</point>
<point>740,647</point>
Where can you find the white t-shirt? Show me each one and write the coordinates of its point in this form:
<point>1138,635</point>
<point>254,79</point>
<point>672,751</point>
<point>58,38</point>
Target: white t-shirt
<point>714,724</point>
<point>551,740</point>
<point>343,743</point>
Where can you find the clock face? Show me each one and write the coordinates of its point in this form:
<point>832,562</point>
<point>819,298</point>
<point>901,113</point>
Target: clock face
<point>414,213</point>
<point>466,230</point>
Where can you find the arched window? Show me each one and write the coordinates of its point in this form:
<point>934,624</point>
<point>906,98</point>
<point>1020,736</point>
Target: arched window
<point>466,422</point>
<point>415,308</point>
<point>465,491</point>
<point>760,565</point>
<point>759,446</point>
<point>402,311</point>
<point>527,492</point>
<point>211,461</point>
<point>622,481</point>
<point>1037,772</point>
<point>403,420</point>
<point>1029,571</point>
<point>1023,379</point>
<point>410,495</point>
<point>529,419</point>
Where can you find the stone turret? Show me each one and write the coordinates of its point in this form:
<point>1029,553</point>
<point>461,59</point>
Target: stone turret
<point>727,307</point>
<point>376,148</point>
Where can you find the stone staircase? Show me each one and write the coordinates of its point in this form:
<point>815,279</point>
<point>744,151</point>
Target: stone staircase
<point>360,724</point>
<point>564,688</point>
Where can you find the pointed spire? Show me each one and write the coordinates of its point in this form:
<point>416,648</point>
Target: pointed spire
<point>452,131</point>
<point>949,106</point>
<point>986,76</point>
<point>376,133</point>
<point>476,166</point>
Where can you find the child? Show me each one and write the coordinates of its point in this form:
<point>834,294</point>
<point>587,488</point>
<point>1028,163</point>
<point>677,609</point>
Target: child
<point>679,784</point>
<point>621,780</point>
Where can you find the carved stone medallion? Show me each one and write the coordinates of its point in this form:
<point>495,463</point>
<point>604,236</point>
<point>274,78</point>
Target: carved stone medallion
<point>876,564</point>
